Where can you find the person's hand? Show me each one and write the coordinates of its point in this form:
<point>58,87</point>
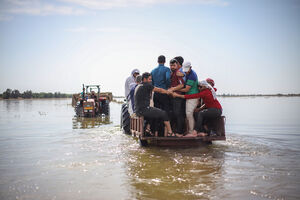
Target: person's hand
<point>179,74</point>
<point>171,89</point>
<point>175,95</point>
<point>169,92</point>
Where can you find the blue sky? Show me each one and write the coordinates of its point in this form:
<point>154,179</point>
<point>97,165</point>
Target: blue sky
<point>245,46</point>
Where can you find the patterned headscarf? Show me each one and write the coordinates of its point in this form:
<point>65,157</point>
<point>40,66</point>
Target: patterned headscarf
<point>207,85</point>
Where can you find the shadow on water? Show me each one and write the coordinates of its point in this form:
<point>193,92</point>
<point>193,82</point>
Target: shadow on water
<point>175,173</point>
<point>86,123</point>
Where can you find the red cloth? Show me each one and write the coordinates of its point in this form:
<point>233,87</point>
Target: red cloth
<point>207,97</point>
<point>176,80</point>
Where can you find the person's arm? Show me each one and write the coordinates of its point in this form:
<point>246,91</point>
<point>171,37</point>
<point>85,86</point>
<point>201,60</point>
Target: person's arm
<point>168,78</point>
<point>178,87</point>
<point>194,96</point>
<point>160,90</point>
<point>186,89</point>
<point>179,73</point>
<point>177,95</point>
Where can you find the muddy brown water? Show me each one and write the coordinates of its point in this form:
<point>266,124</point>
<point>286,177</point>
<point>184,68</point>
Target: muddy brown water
<point>47,153</point>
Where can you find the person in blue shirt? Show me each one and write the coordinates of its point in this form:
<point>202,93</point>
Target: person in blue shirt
<point>161,79</point>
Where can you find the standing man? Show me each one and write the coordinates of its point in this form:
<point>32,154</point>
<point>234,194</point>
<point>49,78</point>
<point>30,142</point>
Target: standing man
<point>178,104</point>
<point>161,79</point>
<point>191,87</point>
<point>130,81</point>
<point>142,98</point>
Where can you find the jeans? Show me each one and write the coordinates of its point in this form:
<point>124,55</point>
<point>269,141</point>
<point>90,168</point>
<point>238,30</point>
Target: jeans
<point>178,114</point>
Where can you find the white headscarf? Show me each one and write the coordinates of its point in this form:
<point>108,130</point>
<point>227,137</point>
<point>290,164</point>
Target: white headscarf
<point>207,85</point>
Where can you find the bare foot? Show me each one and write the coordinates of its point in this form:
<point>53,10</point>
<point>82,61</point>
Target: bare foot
<point>178,135</point>
<point>201,134</point>
<point>190,135</point>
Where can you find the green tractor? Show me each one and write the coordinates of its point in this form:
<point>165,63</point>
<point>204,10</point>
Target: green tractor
<point>91,103</point>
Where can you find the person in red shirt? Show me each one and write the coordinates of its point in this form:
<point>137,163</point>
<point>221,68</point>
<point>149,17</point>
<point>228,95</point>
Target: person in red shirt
<point>213,107</point>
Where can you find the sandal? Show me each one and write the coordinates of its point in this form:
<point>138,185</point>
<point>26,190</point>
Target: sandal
<point>171,134</point>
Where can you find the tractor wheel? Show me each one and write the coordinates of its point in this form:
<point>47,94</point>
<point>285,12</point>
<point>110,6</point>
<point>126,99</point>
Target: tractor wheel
<point>79,110</point>
<point>125,119</point>
<point>106,109</point>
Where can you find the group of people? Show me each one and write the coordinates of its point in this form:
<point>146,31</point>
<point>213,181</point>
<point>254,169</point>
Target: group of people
<point>176,93</point>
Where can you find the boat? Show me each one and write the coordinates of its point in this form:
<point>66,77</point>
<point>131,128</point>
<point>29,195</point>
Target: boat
<point>134,125</point>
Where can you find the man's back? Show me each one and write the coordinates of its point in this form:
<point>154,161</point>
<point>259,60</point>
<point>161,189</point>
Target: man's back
<point>161,77</point>
<point>142,96</point>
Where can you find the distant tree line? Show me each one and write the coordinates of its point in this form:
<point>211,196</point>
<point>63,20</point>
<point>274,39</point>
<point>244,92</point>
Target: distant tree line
<point>28,94</point>
<point>259,95</point>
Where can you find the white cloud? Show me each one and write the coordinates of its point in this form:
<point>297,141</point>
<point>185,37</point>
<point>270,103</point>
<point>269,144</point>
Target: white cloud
<point>9,8</point>
<point>109,4</point>
<point>85,29</point>
<point>36,7</point>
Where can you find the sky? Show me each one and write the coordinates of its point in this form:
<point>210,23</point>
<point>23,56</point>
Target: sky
<point>247,47</point>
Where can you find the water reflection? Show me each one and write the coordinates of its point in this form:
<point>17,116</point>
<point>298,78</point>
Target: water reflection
<point>157,173</point>
<point>85,123</point>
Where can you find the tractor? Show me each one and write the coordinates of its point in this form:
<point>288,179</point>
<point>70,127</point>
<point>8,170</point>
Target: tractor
<point>90,103</point>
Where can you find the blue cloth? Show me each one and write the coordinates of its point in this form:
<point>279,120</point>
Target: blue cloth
<point>161,77</point>
<point>131,94</point>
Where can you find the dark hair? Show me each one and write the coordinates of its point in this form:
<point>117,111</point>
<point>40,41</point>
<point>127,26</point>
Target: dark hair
<point>161,59</point>
<point>173,61</point>
<point>145,75</point>
<point>179,59</point>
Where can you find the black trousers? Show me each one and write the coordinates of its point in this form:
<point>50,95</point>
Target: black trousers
<point>155,117</point>
<point>162,101</point>
<point>154,113</point>
<point>206,113</point>
<point>178,113</point>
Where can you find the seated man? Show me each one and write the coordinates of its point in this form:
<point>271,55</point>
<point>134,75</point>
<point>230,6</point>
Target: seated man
<point>142,98</point>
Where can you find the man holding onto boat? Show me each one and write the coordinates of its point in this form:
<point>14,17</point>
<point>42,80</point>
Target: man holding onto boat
<point>191,87</point>
<point>178,106</point>
<point>142,98</point>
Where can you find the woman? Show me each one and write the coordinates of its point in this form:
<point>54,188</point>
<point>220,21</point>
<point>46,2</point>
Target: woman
<point>213,107</point>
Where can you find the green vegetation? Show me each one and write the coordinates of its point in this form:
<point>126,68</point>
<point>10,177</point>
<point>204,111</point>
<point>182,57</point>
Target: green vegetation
<point>28,94</point>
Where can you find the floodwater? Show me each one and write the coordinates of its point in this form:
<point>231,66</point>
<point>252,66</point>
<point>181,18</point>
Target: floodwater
<point>47,153</point>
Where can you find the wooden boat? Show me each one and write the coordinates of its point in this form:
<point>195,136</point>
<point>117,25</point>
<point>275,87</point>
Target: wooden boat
<point>137,131</point>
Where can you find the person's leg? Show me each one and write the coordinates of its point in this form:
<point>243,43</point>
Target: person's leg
<point>190,106</point>
<point>178,115</point>
<point>206,113</point>
<point>156,113</point>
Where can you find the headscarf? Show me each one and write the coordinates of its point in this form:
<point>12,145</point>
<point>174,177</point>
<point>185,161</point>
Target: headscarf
<point>207,85</point>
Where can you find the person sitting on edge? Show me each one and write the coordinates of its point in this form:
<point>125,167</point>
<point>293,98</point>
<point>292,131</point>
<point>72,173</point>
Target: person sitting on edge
<point>138,80</point>
<point>161,79</point>
<point>191,87</point>
<point>178,106</point>
<point>142,96</point>
<point>201,104</point>
<point>213,107</point>
<point>130,81</point>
